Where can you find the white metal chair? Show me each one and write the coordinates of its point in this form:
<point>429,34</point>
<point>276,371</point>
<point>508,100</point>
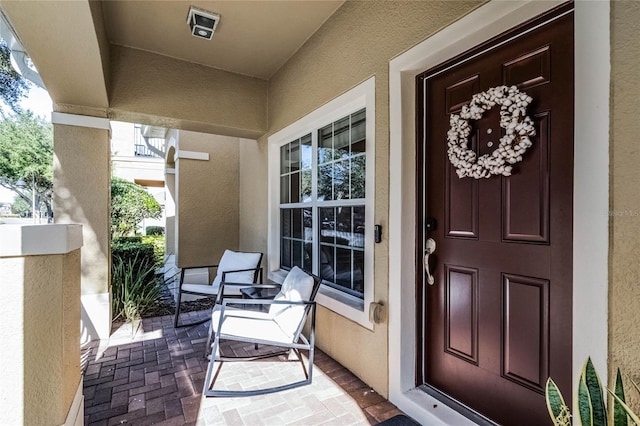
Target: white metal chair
<point>281,326</point>
<point>238,267</point>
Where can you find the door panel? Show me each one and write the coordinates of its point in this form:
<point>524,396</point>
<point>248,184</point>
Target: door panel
<point>525,307</point>
<point>462,205</point>
<point>460,93</point>
<point>461,322</point>
<point>497,321</point>
<point>528,70</point>
<point>526,194</point>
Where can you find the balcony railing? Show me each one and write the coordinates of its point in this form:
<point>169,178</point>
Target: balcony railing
<point>144,151</point>
<point>141,148</point>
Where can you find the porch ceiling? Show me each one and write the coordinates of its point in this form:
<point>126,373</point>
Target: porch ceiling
<point>137,60</point>
<point>253,38</point>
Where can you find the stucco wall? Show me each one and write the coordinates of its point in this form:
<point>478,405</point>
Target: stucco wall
<point>356,43</point>
<point>71,284</point>
<point>253,196</point>
<point>154,89</point>
<point>81,179</point>
<point>41,337</point>
<point>207,219</point>
<point>624,288</point>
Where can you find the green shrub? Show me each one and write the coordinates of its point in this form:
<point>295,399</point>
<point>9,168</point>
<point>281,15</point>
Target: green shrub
<point>134,284</point>
<point>134,287</point>
<point>154,230</point>
<point>130,204</point>
<point>120,240</point>
<point>157,241</point>
<point>125,250</point>
<point>590,399</point>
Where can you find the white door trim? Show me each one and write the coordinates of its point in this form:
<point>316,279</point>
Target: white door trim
<point>591,187</point>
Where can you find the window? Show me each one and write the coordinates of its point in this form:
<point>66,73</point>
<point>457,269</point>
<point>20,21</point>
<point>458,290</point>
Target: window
<point>321,213</point>
<point>340,174</point>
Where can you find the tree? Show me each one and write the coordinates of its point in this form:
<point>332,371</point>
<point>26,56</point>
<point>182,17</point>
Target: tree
<point>130,204</point>
<point>12,86</point>
<point>26,158</point>
<point>20,206</point>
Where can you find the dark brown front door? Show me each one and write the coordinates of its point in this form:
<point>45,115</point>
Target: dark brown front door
<point>497,320</point>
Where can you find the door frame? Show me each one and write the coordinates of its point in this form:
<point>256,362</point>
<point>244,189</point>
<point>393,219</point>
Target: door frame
<point>591,188</point>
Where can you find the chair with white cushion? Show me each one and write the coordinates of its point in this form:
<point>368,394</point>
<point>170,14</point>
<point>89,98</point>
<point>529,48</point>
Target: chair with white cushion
<point>237,267</point>
<point>281,326</point>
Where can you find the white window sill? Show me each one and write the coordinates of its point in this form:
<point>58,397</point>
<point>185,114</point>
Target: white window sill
<point>341,297</point>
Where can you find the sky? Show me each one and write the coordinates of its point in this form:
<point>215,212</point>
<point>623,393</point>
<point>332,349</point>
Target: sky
<point>40,103</point>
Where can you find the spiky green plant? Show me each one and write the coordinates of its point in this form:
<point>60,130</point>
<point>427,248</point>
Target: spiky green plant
<point>134,288</point>
<point>558,409</point>
<point>592,410</point>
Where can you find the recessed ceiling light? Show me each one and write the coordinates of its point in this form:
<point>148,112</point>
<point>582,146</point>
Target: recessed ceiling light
<point>202,23</point>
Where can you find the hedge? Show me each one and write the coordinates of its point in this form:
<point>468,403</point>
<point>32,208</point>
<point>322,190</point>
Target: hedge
<point>157,241</point>
<point>133,250</point>
<point>121,240</point>
<point>154,230</point>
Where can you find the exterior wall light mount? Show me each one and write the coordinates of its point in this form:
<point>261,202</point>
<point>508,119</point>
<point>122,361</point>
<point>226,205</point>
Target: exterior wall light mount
<point>202,23</point>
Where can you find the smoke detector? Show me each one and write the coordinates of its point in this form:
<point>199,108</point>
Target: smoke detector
<point>202,23</point>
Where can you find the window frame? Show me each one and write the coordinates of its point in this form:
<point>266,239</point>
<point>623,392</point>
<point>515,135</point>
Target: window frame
<point>361,96</point>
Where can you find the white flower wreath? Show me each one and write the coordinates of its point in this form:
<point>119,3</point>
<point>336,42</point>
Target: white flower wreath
<point>518,127</point>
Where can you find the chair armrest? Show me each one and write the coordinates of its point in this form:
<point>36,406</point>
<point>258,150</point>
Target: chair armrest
<point>183,270</point>
<point>220,298</point>
<point>267,286</point>
<point>258,269</point>
<point>201,266</point>
<point>238,313</point>
<point>223,284</point>
<point>231,284</point>
<point>251,285</point>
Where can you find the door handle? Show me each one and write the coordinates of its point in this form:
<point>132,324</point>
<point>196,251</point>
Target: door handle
<point>429,249</point>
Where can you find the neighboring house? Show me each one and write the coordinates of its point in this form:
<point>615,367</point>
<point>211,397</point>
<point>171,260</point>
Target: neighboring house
<point>298,142</point>
<point>5,208</point>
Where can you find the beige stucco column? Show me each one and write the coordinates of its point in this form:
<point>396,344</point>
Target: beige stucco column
<point>81,181</point>
<point>40,304</point>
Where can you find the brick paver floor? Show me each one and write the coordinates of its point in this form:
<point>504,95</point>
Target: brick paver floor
<point>157,378</point>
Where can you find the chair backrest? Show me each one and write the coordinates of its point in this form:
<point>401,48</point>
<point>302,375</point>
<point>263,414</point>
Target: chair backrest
<point>297,286</point>
<point>236,260</point>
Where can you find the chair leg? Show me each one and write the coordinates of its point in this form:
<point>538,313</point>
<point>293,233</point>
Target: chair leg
<point>207,349</point>
<point>311,357</point>
<point>175,322</point>
<point>208,385</point>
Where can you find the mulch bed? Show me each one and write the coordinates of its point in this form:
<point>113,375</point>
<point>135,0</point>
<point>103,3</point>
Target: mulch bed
<point>166,305</point>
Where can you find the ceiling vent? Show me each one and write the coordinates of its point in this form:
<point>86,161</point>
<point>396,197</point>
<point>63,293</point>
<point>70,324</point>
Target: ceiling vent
<point>202,23</point>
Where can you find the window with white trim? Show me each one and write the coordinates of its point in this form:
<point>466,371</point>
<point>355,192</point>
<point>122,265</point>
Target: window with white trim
<point>321,213</point>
